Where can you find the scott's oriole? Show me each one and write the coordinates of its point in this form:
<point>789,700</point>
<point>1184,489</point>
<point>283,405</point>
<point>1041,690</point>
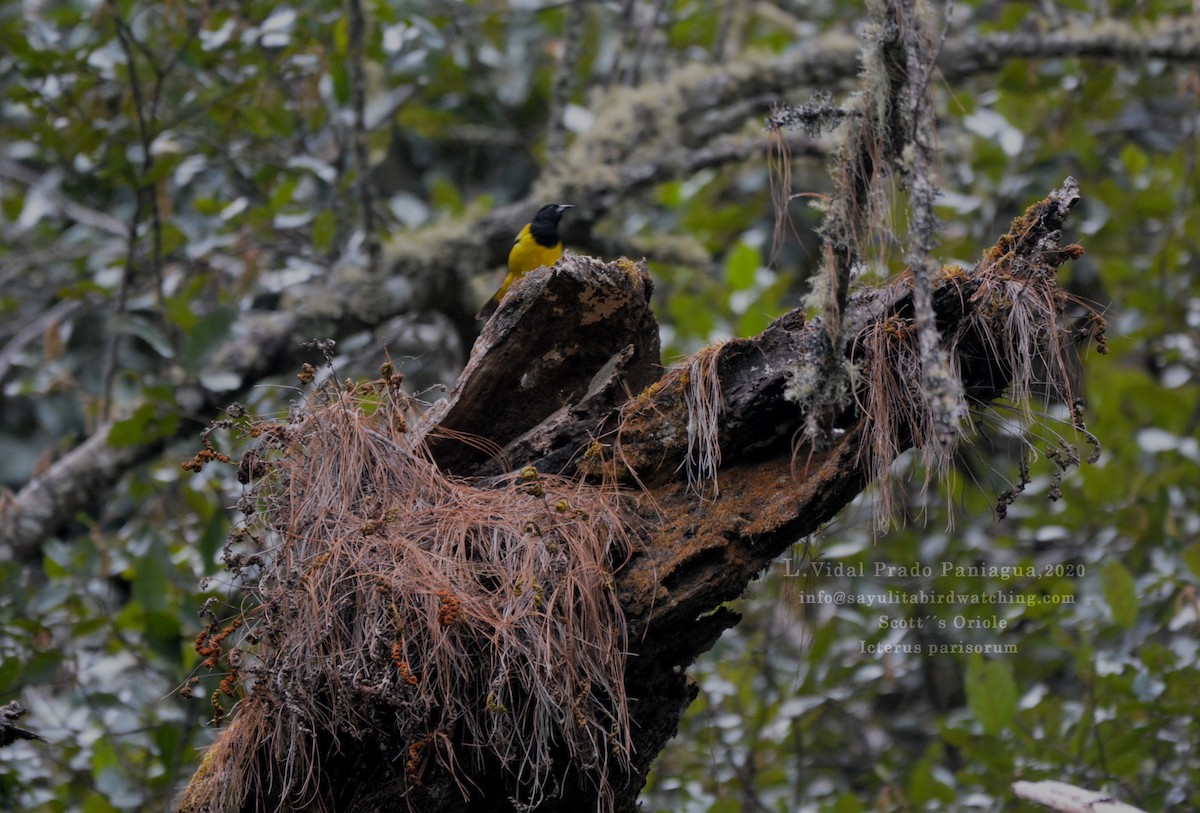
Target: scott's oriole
<point>537,244</point>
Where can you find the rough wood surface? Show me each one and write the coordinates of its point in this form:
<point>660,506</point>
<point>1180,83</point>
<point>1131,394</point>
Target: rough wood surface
<point>566,345</point>
<point>699,553</point>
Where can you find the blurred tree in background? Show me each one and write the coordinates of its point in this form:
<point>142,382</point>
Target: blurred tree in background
<point>190,191</point>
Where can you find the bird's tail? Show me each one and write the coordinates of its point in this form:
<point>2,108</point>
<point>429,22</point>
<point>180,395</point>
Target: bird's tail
<point>489,308</point>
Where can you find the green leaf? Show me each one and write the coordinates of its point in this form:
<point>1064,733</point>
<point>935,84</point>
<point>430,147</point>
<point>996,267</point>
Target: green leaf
<point>991,693</point>
<point>670,194</point>
<point>740,266</point>
<point>150,584</point>
<point>212,538</point>
<point>96,803</point>
<point>104,755</point>
<point>148,422</point>
<point>752,322</point>
<point>1135,160</point>
<point>10,672</point>
<point>208,206</point>
<point>161,168</point>
<point>282,194</point>
<point>341,34</point>
<point>848,803</point>
<point>324,227</point>
<point>12,205</point>
<point>341,81</point>
<point>1120,592</point>
<point>444,195</point>
<point>149,332</point>
<point>1192,556</point>
<point>691,315</point>
<point>923,783</point>
<point>162,632</point>
<point>173,238</point>
<point>168,738</point>
<point>208,332</point>
<point>53,568</point>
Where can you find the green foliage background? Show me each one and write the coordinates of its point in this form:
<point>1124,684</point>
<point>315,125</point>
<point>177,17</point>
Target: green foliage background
<point>222,133</point>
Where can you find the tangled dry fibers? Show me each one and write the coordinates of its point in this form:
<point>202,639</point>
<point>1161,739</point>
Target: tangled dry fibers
<point>443,619</point>
<point>1019,316</point>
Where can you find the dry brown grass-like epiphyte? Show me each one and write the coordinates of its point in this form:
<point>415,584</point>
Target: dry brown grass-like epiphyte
<point>1018,315</point>
<point>705,405</point>
<point>472,624</point>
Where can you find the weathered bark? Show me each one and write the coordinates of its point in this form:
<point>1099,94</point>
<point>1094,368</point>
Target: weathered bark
<point>568,344</point>
<point>699,553</point>
<point>557,381</point>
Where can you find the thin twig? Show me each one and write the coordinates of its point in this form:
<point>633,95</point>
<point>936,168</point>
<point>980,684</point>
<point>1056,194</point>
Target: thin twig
<point>146,110</point>
<point>646,33</point>
<point>70,208</point>
<point>35,328</point>
<point>358,100</point>
<point>128,43</point>
<point>556,132</point>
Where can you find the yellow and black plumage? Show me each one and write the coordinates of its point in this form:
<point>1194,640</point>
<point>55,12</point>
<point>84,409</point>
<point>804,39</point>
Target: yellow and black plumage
<point>536,245</point>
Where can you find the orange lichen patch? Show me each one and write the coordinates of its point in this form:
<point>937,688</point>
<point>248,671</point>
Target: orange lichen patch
<point>641,444</point>
<point>599,304</point>
<point>674,424</point>
<point>773,487</point>
<point>631,269</point>
<point>759,499</point>
<point>1022,226</point>
<point>1059,256</point>
<point>953,273</point>
<point>415,763</point>
<point>448,608</point>
<point>1012,248</point>
<point>652,390</point>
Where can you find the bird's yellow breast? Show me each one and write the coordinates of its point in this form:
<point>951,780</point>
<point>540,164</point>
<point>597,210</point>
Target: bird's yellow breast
<point>526,255</point>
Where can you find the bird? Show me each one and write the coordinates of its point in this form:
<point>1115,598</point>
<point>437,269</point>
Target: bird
<point>536,245</point>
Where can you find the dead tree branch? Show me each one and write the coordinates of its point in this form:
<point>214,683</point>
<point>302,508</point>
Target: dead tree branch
<point>1070,799</point>
<point>578,406</point>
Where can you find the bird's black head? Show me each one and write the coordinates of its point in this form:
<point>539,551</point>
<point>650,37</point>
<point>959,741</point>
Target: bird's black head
<point>544,226</point>
<point>552,212</point>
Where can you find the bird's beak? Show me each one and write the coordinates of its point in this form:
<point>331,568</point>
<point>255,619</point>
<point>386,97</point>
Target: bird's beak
<point>562,207</point>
